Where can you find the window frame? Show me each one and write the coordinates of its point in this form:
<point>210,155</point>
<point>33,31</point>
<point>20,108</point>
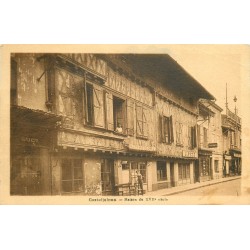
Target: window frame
<point>72,171</point>
<point>161,176</point>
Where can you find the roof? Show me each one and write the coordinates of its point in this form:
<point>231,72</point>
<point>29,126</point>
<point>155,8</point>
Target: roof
<point>163,68</point>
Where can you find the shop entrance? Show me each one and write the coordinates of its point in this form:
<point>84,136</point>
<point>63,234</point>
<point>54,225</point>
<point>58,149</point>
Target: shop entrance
<point>108,177</point>
<point>28,171</point>
<point>172,174</point>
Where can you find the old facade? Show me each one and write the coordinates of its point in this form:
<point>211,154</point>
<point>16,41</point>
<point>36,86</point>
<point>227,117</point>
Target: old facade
<point>231,129</point>
<point>92,123</point>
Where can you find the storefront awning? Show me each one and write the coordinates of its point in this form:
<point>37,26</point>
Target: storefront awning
<point>38,117</point>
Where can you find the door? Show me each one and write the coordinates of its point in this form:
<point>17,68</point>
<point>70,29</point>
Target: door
<point>196,171</point>
<point>172,174</point>
<point>108,177</point>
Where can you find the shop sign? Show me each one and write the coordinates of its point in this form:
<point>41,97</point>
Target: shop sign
<point>213,145</point>
<point>83,141</point>
<point>189,154</point>
<point>237,155</point>
<point>30,140</point>
<point>227,157</point>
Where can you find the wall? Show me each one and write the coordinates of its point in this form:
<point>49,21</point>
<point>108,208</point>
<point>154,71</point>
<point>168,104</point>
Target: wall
<point>92,174</point>
<point>31,92</point>
<point>179,116</point>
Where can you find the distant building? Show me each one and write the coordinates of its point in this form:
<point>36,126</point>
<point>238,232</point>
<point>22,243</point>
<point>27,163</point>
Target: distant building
<point>91,124</point>
<point>210,163</point>
<point>231,129</point>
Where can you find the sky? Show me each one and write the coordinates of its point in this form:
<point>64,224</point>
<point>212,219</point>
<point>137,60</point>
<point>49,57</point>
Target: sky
<point>213,66</point>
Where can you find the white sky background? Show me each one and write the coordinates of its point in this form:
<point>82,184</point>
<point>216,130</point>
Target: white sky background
<point>214,66</point>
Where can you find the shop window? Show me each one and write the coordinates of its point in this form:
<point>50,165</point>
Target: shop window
<point>13,91</point>
<point>118,113</point>
<point>72,175</point>
<point>166,129</point>
<point>141,121</point>
<point>26,178</point>
<point>139,167</point>
<point>216,166</point>
<point>161,171</point>
<point>204,166</point>
<point>184,171</point>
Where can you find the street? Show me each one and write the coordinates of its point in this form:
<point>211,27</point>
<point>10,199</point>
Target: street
<point>232,188</point>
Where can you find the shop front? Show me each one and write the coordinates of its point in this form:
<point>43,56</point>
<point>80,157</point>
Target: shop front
<point>203,166</point>
<point>31,144</point>
<point>235,168</point>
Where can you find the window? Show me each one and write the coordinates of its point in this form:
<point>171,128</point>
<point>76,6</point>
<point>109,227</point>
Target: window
<point>94,105</point>
<point>216,166</point>
<point>141,167</point>
<point>161,171</point>
<point>205,137</point>
<point>192,137</point>
<point>179,135</point>
<point>118,113</point>
<point>141,121</point>
<point>72,175</point>
<point>166,129</point>
<point>89,105</point>
<point>13,91</point>
<point>184,171</point>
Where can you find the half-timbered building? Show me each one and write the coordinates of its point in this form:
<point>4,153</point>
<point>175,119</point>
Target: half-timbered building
<point>90,124</point>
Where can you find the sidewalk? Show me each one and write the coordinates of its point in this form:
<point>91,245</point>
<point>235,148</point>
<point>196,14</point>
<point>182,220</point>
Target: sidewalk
<point>184,188</point>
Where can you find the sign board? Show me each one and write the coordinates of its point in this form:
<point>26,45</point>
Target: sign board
<point>213,145</point>
<point>189,154</point>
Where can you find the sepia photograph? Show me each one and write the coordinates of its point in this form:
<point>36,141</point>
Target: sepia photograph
<point>144,125</point>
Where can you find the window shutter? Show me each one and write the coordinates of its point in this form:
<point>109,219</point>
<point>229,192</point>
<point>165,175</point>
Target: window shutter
<point>199,135</point>
<point>160,130</point>
<point>171,125</point>
<point>98,107</point>
<point>109,111</point>
<point>194,137</point>
<point>139,120</point>
<point>181,133</point>
<point>130,117</point>
<point>145,121</point>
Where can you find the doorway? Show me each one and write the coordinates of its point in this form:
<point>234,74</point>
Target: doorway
<point>172,182</point>
<point>108,177</point>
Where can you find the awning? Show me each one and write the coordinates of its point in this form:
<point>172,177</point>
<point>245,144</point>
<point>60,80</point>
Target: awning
<point>33,116</point>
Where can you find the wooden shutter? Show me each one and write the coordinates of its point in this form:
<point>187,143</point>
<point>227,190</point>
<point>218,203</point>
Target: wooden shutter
<point>109,111</point>
<point>130,117</point>
<point>98,107</point>
<point>145,121</point>
<point>181,133</point>
<point>193,137</point>
<point>199,135</point>
<point>139,120</point>
<point>171,125</point>
<point>160,129</point>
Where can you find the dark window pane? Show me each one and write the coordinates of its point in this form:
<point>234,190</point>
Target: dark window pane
<point>66,170</point>
<point>78,185</point>
<point>67,186</point>
<point>77,173</point>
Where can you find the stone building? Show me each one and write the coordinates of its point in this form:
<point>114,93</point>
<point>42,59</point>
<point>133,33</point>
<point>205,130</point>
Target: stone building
<point>91,124</point>
<point>231,129</point>
<point>210,163</point>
